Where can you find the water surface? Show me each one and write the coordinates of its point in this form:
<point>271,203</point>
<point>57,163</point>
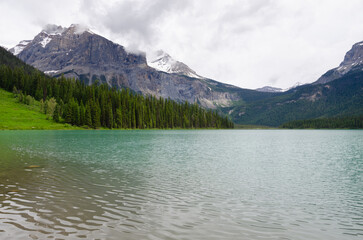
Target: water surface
<point>222,184</point>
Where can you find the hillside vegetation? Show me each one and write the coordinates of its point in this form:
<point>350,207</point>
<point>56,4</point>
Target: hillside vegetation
<point>16,115</point>
<point>100,106</point>
<point>326,123</point>
<point>339,98</point>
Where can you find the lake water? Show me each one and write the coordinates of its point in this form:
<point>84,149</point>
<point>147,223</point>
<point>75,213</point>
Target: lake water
<point>208,184</point>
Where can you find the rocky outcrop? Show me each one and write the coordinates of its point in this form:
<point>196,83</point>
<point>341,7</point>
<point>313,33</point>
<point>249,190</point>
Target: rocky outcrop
<point>353,60</point>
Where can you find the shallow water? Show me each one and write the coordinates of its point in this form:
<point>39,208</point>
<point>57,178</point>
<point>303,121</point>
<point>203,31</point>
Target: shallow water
<point>222,184</point>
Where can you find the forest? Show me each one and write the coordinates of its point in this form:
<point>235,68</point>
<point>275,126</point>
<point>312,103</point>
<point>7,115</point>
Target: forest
<point>95,106</point>
<point>351,122</point>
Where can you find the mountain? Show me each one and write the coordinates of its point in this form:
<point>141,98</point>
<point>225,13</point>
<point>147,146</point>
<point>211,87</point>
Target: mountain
<point>269,89</point>
<point>338,98</point>
<point>20,47</point>
<point>353,61</point>
<point>69,101</point>
<point>78,52</point>
<point>341,97</point>
<point>162,61</point>
<point>338,93</point>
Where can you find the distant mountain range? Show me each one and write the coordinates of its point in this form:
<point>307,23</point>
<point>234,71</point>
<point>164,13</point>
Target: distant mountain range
<point>337,93</point>
<point>277,90</point>
<point>78,52</point>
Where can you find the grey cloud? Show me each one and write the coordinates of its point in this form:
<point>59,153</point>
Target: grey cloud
<point>242,42</point>
<point>137,19</point>
<point>239,18</point>
<point>273,80</point>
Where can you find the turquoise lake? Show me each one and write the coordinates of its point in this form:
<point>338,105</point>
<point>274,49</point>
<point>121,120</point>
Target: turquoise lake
<point>184,184</point>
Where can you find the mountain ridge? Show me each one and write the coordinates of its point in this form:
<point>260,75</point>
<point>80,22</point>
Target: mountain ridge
<point>77,52</point>
<point>81,54</point>
<point>353,60</point>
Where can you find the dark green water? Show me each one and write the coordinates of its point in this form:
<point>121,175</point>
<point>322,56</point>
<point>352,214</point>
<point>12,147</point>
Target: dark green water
<point>251,184</point>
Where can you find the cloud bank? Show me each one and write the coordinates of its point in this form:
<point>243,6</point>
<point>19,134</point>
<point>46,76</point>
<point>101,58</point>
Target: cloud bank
<point>248,43</point>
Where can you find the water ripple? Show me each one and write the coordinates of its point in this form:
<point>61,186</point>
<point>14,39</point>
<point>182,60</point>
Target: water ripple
<point>181,185</point>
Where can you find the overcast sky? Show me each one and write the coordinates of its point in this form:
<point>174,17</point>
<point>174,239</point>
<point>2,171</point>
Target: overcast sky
<point>247,43</point>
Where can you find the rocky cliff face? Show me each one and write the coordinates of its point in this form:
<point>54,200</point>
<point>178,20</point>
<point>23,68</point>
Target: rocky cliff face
<point>353,60</point>
<point>77,52</point>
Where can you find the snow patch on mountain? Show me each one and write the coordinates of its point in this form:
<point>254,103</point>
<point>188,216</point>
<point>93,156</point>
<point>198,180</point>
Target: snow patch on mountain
<point>276,90</point>
<point>162,61</point>
<point>269,89</point>
<point>20,47</point>
<point>51,71</point>
<point>45,41</point>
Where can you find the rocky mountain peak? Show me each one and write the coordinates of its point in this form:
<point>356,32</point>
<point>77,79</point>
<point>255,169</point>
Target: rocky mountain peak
<point>354,56</point>
<point>78,53</point>
<point>20,47</point>
<point>78,29</point>
<point>162,61</point>
<point>353,59</point>
<point>52,29</point>
<point>50,32</point>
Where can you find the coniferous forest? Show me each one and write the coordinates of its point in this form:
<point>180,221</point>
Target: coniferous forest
<point>97,106</point>
<point>351,122</point>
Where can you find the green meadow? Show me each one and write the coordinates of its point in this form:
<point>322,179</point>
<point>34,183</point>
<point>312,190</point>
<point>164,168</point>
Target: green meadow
<point>19,116</point>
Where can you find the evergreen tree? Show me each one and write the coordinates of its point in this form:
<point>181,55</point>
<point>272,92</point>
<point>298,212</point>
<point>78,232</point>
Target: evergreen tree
<point>56,114</point>
<point>88,117</point>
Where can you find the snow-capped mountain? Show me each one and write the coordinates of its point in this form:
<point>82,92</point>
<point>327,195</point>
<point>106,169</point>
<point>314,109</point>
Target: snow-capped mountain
<point>48,33</point>
<point>269,89</point>
<point>159,60</point>
<point>162,61</point>
<point>78,53</point>
<point>20,47</point>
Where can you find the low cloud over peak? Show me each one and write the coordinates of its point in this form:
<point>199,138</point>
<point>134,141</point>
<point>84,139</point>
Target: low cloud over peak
<point>242,42</point>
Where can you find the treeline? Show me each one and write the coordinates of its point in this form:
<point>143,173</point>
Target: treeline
<point>100,106</point>
<point>353,122</point>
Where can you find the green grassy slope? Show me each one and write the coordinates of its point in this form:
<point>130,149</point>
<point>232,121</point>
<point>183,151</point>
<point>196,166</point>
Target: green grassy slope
<point>15,115</point>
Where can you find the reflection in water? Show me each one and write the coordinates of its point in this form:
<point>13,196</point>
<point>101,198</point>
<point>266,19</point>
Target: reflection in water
<point>181,184</point>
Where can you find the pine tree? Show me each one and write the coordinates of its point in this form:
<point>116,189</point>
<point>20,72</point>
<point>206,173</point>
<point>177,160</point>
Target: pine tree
<point>56,113</point>
<point>88,117</point>
<point>118,118</point>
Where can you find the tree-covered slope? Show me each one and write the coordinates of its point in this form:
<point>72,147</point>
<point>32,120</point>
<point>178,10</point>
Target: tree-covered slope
<point>8,59</point>
<point>100,106</point>
<point>352,122</point>
<point>341,97</point>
